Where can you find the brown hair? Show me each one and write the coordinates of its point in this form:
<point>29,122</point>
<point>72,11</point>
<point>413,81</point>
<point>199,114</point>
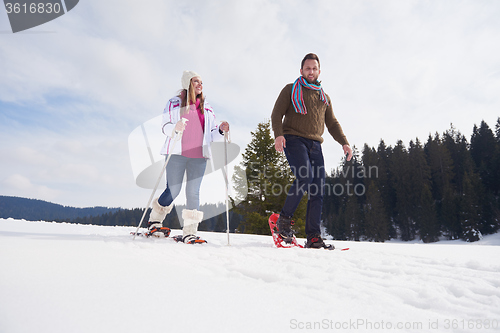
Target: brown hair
<point>192,99</point>
<point>311,56</point>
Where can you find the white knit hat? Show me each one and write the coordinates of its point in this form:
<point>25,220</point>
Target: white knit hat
<point>186,78</point>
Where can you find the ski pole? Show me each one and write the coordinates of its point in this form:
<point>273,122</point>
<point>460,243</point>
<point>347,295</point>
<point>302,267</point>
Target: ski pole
<point>177,136</point>
<point>226,139</point>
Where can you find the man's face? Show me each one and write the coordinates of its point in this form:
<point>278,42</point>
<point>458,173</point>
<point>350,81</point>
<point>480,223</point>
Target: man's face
<point>310,71</point>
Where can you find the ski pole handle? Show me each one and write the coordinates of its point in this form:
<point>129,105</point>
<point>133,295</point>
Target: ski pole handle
<point>178,134</point>
<point>227,137</point>
<point>184,121</point>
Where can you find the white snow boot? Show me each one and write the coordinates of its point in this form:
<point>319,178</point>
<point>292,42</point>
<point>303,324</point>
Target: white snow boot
<point>156,217</point>
<point>191,220</point>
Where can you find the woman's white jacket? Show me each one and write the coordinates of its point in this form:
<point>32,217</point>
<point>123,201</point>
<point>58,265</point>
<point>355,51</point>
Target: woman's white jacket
<point>172,114</point>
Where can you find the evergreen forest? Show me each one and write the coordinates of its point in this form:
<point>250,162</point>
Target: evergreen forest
<point>446,187</point>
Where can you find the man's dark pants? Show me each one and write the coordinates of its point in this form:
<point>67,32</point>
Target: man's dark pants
<point>305,158</point>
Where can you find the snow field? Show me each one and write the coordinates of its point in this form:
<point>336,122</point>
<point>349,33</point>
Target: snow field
<point>58,277</point>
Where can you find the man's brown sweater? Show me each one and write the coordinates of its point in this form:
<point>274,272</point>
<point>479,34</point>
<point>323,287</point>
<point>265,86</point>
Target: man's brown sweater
<point>310,125</point>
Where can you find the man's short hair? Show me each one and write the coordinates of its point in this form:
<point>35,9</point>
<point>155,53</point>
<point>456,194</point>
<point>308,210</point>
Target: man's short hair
<point>309,56</point>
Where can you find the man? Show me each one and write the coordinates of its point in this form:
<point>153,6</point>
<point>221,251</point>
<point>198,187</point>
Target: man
<point>306,110</point>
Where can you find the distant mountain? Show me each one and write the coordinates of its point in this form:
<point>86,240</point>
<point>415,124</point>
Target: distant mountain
<point>35,210</point>
<point>39,210</point>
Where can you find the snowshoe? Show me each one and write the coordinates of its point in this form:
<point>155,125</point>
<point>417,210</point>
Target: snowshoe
<point>189,239</point>
<point>157,230</point>
<point>315,241</point>
<point>279,241</point>
<point>162,232</point>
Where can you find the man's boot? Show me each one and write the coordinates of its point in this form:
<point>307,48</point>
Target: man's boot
<point>284,225</point>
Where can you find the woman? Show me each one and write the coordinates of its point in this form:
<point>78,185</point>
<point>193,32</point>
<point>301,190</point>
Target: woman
<point>189,155</point>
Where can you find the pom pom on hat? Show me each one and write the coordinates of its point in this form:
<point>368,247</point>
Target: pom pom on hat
<point>186,78</point>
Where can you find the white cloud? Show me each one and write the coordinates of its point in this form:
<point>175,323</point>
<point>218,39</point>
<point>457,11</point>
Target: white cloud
<point>19,185</point>
<point>18,182</point>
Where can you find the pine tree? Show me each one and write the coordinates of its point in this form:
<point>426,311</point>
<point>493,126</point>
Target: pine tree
<point>429,227</point>
<point>332,203</point>
<point>458,147</point>
<point>485,153</point>
<point>351,176</point>
<point>259,164</point>
<point>400,169</point>
<point>422,209</point>
<point>497,130</point>
<point>352,218</point>
<point>497,167</point>
<point>385,183</point>
<point>443,192</point>
<point>470,214</point>
<point>376,220</point>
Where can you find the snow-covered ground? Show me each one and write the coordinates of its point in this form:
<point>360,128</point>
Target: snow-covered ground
<point>58,277</point>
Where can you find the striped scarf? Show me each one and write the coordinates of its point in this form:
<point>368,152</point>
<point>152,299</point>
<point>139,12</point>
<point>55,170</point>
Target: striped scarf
<point>297,98</point>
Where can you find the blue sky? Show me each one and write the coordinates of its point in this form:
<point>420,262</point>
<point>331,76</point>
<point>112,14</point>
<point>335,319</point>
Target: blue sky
<point>72,90</point>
